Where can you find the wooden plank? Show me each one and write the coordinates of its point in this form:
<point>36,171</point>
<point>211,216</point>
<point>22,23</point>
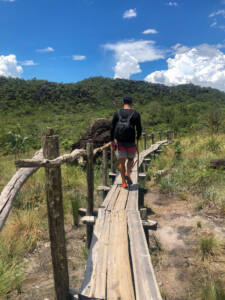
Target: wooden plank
<point>132,201</point>
<point>119,278</point>
<point>121,200</point>
<point>88,220</point>
<point>114,198</point>
<point>146,287</point>
<point>93,286</point>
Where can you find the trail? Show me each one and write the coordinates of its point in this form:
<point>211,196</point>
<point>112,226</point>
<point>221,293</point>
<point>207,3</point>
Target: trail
<point>175,245</point>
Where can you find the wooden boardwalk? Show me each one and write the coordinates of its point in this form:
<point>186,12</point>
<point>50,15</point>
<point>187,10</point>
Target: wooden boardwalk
<point>119,266</point>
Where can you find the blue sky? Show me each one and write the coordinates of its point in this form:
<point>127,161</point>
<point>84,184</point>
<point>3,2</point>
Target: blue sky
<point>169,42</point>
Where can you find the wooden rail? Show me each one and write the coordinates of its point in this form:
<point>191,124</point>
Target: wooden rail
<point>113,217</point>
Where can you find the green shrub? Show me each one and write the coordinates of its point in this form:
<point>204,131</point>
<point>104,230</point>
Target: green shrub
<point>212,290</point>
<point>213,145</point>
<point>207,246</point>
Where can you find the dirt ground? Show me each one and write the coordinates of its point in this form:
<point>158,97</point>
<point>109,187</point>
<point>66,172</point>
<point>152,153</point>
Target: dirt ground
<point>174,247</point>
<point>38,283</point>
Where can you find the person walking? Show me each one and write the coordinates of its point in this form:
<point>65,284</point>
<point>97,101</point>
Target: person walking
<point>126,126</point>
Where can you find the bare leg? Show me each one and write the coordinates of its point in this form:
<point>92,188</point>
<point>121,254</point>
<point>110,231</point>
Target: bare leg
<point>130,164</point>
<point>122,169</point>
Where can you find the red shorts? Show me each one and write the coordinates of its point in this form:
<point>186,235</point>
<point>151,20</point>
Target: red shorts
<point>126,152</point>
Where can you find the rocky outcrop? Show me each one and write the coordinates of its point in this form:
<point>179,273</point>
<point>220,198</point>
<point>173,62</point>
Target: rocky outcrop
<point>98,132</point>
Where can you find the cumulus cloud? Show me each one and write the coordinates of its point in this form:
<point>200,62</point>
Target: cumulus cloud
<point>28,63</point>
<point>45,50</point>
<point>129,55</point>
<point>9,66</point>
<point>203,65</point>
<point>213,24</point>
<point>130,13</point>
<point>171,3</point>
<point>217,13</point>
<point>150,31</point>
<point>79,57</point>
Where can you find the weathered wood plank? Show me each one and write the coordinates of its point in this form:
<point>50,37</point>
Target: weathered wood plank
<point>121,200</point>
<point>10,191</point>
<point>146,287</point>
<point>66,158</point>
<point>132,201</point>
<point>114,198</point>
<point>119,278</point>
<point>93,286</point>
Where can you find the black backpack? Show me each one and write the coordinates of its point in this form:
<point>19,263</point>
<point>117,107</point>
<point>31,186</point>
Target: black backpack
<point>123,128</point>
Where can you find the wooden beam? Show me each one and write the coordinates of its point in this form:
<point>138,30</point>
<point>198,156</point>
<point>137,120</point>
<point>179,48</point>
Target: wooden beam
<point>104,167</point>
<point>56,218</point>
<point>83,212</point>
<point>100,149</point>
<point>119,278</point>
<point>90,220</point>
<point>146,286</point>
<point>150,224</point>
<point>90,190</point>
<point>66,158</point>
<point>11,190</point>
<point>94,283</point>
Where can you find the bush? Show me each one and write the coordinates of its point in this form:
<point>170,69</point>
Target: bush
<point>207,246</point>
<point>212,290</point>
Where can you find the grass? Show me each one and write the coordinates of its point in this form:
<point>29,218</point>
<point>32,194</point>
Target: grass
<point>212,290</point>
<point>188,162</point>
<point>207,246</point>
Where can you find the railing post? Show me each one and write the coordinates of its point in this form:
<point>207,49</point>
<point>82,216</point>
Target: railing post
<point>55,217</point>
<point>153,138</point>
<point>167,135</point>
<point>145,143</point>
<point>160,135</point>
<point>112,156</point>
<point>90,190</point>
<point>104,167</point>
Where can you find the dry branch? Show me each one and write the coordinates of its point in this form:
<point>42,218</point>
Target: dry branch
<point>101,148</point>
<point>66,158</point>
<point>10,191</point>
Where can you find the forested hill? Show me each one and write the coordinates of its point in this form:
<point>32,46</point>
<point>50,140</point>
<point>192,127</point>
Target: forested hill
<point>35,104</point>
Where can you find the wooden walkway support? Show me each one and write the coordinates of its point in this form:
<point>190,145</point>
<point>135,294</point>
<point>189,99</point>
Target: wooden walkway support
<point>119,265</point>
<point>56,217</point>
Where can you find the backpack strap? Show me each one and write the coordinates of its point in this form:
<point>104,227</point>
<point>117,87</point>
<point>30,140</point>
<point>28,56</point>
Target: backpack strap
<point>118,111</point>
<point>130,116</point>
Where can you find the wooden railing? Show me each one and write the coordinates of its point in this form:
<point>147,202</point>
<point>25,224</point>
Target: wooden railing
<point>48,157</point>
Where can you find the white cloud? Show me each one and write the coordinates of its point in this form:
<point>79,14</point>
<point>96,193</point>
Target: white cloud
<point>170,3</point>
<point>45,50</point>
<point>130,13</point>
<point>8,0</point>
<point>217,13</point>
<point>28,63</point>
<point>129,55</point>
<point>79,57</point>
<point>150,31</point>
<point>213,24</point>
<point>203,65</point>
<point>9,66</point>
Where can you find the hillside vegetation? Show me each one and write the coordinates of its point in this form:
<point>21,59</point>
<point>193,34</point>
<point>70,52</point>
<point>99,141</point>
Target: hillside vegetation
<point>28,107</point>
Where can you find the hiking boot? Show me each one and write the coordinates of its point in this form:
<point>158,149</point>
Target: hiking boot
<point>124,185</point>
<point>128,179</point>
